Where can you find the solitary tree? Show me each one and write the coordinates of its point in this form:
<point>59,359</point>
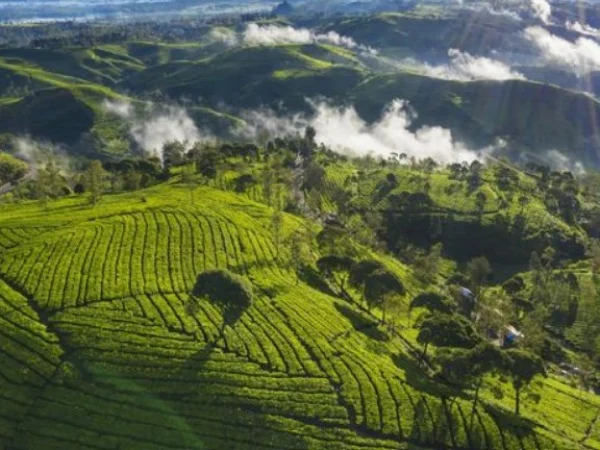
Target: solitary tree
<point>480,199</point>
<point>381,284</point>
<point>479,270</point>
<point>11,168</point>
<point>468,367</point>
<point>336,268</point>
<point>207,163</point>
<point>94,180</point>
<point>276,227</point>
<point>173,154</point>
<point>229,292</point>
<point>300,250</point>
<point>446,330</point>
<point>522,366</point>
<point>433,302</point>
<point>49,182</point>
<point>523,202</point>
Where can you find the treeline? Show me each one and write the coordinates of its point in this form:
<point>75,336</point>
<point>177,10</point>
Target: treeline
<point>88,34</point>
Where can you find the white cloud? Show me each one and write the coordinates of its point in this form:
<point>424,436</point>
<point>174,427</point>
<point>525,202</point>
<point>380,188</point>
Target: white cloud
<point>582,29</point>
<point>487,9</point>
<point>155,127</point>
<point>541,9</point>
<point>224,35</point>
<point>580,57</point>
<point>121,109</point>
<point>39,153</point>
<point>559,161</point>
<point>343,130</point>
<point>277,35</point>
<point>466,67</point>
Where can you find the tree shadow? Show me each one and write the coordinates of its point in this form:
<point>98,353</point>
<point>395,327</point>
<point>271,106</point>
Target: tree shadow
<point>506,420</point>
<point>254,425</point>
<point>419,379</point>
<point>313,278</point>
<point>362,323</point>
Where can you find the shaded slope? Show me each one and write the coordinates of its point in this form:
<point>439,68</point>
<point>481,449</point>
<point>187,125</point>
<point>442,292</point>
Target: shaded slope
<point>96,65</point>
<point>530,114</point>
<point>38,115</point>
<point>261,75</point>
<point>413,34</point>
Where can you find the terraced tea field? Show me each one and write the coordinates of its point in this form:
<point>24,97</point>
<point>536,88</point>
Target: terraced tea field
<point>101,347</point>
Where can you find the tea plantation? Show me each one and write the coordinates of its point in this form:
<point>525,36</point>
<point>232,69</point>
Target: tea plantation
<point>103,345</point>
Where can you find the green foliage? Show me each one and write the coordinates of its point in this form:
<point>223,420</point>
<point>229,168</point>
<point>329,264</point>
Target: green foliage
<point>230,292</point>
<point>478,270</point>
<point>433,302</point>
<point>298,366</point>
<point>94,180</point>
<point>173,153</point>
<point>523,367</point>
<point>446,330</point>
<point>11,168</point>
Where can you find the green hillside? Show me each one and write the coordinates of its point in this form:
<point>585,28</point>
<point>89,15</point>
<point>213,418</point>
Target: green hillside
<point>414,34</point>
<point>531,115</point>
<point>262,75</point>
<point>104,345</point>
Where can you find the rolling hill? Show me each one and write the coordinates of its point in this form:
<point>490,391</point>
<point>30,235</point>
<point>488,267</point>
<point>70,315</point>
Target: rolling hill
<point>264,75</point>
<point>529,115</point>
<point>102,350</point>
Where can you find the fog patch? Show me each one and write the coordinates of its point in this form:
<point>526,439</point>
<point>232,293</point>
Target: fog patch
<point>463,66</point>
<point>541,9</point>
<point>278,35</point>
<point>487,9</point>
<point>39,153</point>
<point>156,125</point>
<point>585,29</point>
<point>224,35</point>
<point>579,57</point>
<point>343,130</point>
<point>558,161</point>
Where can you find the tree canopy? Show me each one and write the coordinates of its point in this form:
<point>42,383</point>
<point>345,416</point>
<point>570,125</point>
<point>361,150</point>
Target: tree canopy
<point>230,292</point>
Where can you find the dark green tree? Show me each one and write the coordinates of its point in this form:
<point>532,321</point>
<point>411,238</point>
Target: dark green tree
<point>11,168</point>
<point>478,270</point>
<point>446,330</point>
<point>433,302</point>
<point>231,293</point>
<point>522,367</point>
<point>173,154</point>
<point>336,268</point>
<point>380,284</point>
<point>95,177</point>
<point>207,163</point>
<point>467,368</point>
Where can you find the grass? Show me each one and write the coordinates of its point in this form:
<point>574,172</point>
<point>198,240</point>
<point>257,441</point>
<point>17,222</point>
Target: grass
<point>94,306</point>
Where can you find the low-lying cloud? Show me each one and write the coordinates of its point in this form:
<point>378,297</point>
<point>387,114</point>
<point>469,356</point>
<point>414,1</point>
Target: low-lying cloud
<point>541,9</point>
<point>38,153</point>
<point>154,127</point>
<point>224,35</point>
<point>585,29</point>
<point>255,34</point>
<point>463,66</point>
<point>559,161</point>
<point>579,57</point>
<point>343,130</point>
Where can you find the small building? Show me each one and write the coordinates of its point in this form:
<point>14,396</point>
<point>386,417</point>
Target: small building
<point>510,336</point>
